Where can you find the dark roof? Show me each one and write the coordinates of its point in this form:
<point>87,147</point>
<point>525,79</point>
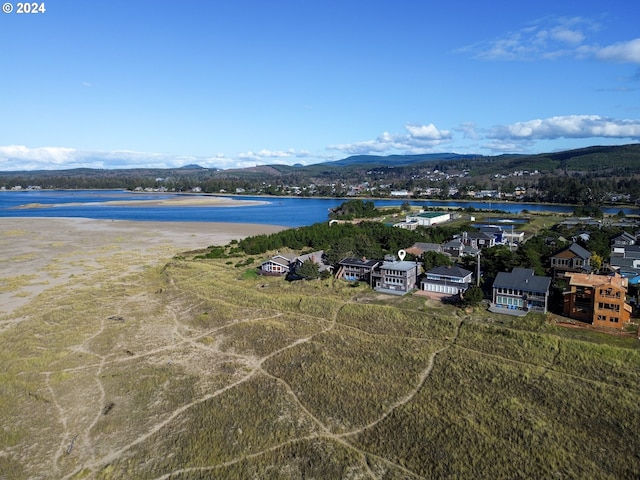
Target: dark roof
<point>621,261</point>
<point>522,279</point>
<point>624,237</point>
<point>455,243</point>
<point>480,235</point>
<point>449,271</point>
<point>579,251</point>
<point>359,262</point>
<point>576,250</point>
<point>632,251</point>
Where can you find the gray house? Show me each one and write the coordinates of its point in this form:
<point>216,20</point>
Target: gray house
<point>395,277</point>
<point>520,291</point>
<point>356,269</point>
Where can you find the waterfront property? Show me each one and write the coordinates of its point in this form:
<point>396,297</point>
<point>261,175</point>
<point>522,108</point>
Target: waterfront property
<point>520,291</point>
<point>597,299</point>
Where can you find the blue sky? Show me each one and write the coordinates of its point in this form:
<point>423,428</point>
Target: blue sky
<point>115,84</point>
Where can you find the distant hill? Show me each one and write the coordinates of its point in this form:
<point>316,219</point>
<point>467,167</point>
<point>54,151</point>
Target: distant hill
<point>598,161</point>
<point>397,160</point>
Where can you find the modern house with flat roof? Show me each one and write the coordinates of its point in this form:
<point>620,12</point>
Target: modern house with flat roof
<point>397,277</point>
<point>356,269</point>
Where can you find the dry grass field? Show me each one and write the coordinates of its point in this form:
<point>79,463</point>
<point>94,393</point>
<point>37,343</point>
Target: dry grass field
<point>137,363</point>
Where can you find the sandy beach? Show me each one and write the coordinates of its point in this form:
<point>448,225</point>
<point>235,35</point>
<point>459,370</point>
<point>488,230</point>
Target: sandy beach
<point>40,253</point>
<point>184,200</point>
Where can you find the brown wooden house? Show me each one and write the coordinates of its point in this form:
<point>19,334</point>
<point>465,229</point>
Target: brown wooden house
<point>597,299</point>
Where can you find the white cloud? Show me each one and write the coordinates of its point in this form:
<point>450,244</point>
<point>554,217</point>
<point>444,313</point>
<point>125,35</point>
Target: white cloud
<point>267,154</point>
<point>427,132</point>
<point>566,35</point>
<point>623,52</point>
<point>44,155</point>
<point>468,130</point>
<point>551,38</point>
<point>499,146</point>
<point>570,126</point>
<point>22,158</point>
<point>548,38</point>
<point>420,139</point>
<point>369,147</point>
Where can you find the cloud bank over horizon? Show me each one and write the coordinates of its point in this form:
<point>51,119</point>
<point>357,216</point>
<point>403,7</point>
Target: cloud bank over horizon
<point>518,137</point>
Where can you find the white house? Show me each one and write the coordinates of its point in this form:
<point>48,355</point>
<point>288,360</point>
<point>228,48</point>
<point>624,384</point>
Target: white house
<point>446,280</point>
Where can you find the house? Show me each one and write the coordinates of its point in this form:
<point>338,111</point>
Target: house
<point>279,264</point>
<point>496,231</point>
<point>597,299</point>
<point>395,277</point>
<point>356,269</point>
<point>446,281</point>
<point>454,247</point>
<point>284,263</point>
<point>520,291</point>
<point>573,258</point>
<point>315,257</point>
<point>577,221</point>
<point>427,219</point>
<point>625,260</point>
<point>619,242</point>
<point>478,240</point>
<point>513,238</point>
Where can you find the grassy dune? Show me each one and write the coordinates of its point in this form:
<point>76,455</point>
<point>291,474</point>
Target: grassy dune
<point>194,371</point>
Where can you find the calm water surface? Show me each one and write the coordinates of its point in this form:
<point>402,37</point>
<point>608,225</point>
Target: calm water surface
<point>290,212</point>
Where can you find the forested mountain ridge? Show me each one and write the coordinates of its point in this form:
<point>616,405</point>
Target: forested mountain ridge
<point>595,174</point>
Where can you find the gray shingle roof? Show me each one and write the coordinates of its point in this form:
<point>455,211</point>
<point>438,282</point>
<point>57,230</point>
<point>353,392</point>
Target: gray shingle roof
<point>522,279</point>
<point>449,271</point>
<point>579,251</point>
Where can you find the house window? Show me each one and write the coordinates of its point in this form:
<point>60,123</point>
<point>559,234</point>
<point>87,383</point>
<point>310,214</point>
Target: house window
<point>609,306</point>
<point>613,319</point>
<point>602,318</point>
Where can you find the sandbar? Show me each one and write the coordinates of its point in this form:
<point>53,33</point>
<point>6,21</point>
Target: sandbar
<point>41,253</point>
<point>178,201</point>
